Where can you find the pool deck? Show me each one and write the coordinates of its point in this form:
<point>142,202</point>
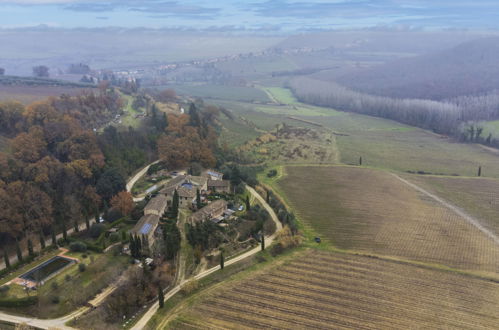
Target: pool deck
<point>30,284</point>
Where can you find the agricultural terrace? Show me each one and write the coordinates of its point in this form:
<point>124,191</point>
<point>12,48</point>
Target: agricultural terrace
<point>331,290</point>
<point>289,144</point>
<point>477,196</point>
<point>374,212</point>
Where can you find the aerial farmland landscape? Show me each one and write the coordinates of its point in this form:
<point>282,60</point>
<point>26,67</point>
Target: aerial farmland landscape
<point>235,165</point>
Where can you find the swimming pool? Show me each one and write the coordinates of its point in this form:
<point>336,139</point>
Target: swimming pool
<point>45,270</point>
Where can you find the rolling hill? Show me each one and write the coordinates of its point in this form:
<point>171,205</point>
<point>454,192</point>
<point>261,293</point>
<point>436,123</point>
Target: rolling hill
<point>468,69</point>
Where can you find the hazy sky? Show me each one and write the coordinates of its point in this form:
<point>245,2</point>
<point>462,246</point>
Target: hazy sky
<point>271,15</point>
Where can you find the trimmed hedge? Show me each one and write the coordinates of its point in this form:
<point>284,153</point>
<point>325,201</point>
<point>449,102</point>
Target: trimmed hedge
<point>19,302</point>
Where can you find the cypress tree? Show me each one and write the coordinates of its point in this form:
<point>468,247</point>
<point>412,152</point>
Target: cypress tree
<point>221,260</point>
<point>77,229</point>
<point>132,247</point>
<point>19,252</point>
<point>42,240</point>
<point>175,204</point>
<point>97,215</point>
<point>30,248</point>
<point>194,120</point>
<point>64,231</point>
<point>479,171</point>
<point>198,199</point>
<point>248,205</point>
<point>263,241</point>
<point>54,238</point>
<point>6,258</point>
<point>267,199</point>
<point>360,161</point>
<point>139,245</point>
<point>106,211</point>
<point>87,220</point>
<point>161,297</point>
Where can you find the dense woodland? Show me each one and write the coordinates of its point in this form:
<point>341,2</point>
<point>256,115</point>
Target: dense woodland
<point>444,117</point>
<point>60,171</point>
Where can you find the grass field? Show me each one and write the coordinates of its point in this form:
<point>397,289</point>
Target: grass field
<point>30,94</point>
<point>372,211</point>
<point>381,143</point>
<point>232,93</point>
<point>281,95</point>
<point>330,290</point>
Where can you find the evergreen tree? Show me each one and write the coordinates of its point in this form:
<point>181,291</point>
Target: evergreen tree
<point>248,205</point>
<point>76,228</point>
<point>263,241</point>
<point>139,245</point>
<point>64,232</point>
<point>479,171</point>
<point>54,239</point>
<point>30,248</point>
<point>97,215</point>
<point>198,199</point>
<point>133,247</point>
<point>161,297</point>
<point>19,252</point>
<point>171,237</point>
<point>42,239</point>
<point>194,120</point>
<point>360,161</point>
<point>87,220</point>
<point>6,258</point>
<point>267,199</point>
<point>106,211</point>
<point>175,204</point>
<point>222,260</point>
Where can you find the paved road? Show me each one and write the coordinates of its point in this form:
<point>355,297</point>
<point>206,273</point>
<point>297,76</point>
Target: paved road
<point>133,180</point>
<point>268,240</point>
<point>472,220</point>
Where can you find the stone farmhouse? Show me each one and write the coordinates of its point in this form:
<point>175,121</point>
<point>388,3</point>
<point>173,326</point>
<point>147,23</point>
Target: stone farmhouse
<point>212,211</point>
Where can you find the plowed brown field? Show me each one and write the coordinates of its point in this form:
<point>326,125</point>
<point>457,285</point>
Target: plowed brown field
<point>374,212</point>
<point>330,290</point>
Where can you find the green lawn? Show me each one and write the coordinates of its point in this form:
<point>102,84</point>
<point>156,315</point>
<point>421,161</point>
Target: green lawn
<point>282,95</point>
<point>380,142</point>
<point>233,93</point>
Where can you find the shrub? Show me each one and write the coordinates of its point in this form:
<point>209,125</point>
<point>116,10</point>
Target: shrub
<point>114,237</point>
<point>19,302</point>
<point>54,285</point>
<point>54,299</point>
<point>96,230</point>
<point>61,241</point>
<point>84,255</point>
<point>78,247</point>
<point>113,215</point>
<point>272,173</point>
<point>4,289</point>
<point>67,278</point>
<point>189,286</point>
<point>82,267</point>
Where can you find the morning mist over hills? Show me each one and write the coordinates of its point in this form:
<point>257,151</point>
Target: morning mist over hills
<point>259,164</point>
